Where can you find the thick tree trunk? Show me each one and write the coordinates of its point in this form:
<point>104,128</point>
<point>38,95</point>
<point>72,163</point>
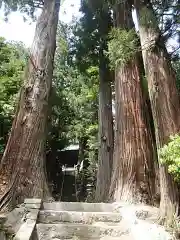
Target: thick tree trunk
<point>22,171</point>
<point>106,139</point>
<point>163,96</point>
<point>152,129</point>
<point>133,169</point>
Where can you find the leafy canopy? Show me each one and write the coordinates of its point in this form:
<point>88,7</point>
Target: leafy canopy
<point>28,7</point>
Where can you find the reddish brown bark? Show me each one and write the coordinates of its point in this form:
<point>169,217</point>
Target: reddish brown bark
<point>163,96</point>
<point>106,131</point>
<point>150,121</point>
<point>22,168</point>
<point>106,139</point>
<point>133,170</point>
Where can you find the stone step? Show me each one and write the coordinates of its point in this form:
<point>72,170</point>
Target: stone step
<point>127,237</point>
<point>78,206</point>
<point>50,216</point>
<point>80,231</point>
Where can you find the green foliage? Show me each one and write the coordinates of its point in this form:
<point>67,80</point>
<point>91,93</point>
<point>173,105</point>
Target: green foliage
<point>78,96</point>
<point>28,7</point>
<point>74,98</point>
<point>170,155</point>
<point>147,18</point>
<point>82,100</point>
<point>13,58</point>
<point>176,66</point>
<point>167,13</point>
<point>122,46</point>
<point>91,35</point>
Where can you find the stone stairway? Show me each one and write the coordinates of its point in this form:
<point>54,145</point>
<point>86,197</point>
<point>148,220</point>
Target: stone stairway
<point>80,221</point>
<point>36,220</point>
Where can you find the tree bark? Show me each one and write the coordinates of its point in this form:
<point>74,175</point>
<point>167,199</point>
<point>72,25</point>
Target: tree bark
<point>149,117</point>
<point>22,170</point>
<point>106,139</point>
<point>82,168</point>
<point>163,96</point>
<point>133,168</point>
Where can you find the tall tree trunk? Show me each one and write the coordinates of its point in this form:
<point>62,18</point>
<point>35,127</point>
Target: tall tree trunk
<point>163,96</point>
<point>133,169</point>
<point>106,139</point>
<point>152,129</point>
<point>22,170</point>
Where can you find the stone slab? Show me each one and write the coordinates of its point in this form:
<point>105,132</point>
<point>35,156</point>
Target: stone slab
<point>33,214</point>
<point>147,231</point>
<point>32,200</point>
<point>33,205</point>
<point>143,212</point>
<point>50,216</point>
<point>78,206</point>
<point>26,230</point>
<point>66,231</point>
<point>14,219</point>
<point>128,237</point>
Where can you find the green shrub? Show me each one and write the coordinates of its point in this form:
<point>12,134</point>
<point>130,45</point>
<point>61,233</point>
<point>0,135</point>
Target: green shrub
<point>169,154</point>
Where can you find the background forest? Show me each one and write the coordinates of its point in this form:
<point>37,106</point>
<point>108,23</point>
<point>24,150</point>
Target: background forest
<point>115,91</point>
